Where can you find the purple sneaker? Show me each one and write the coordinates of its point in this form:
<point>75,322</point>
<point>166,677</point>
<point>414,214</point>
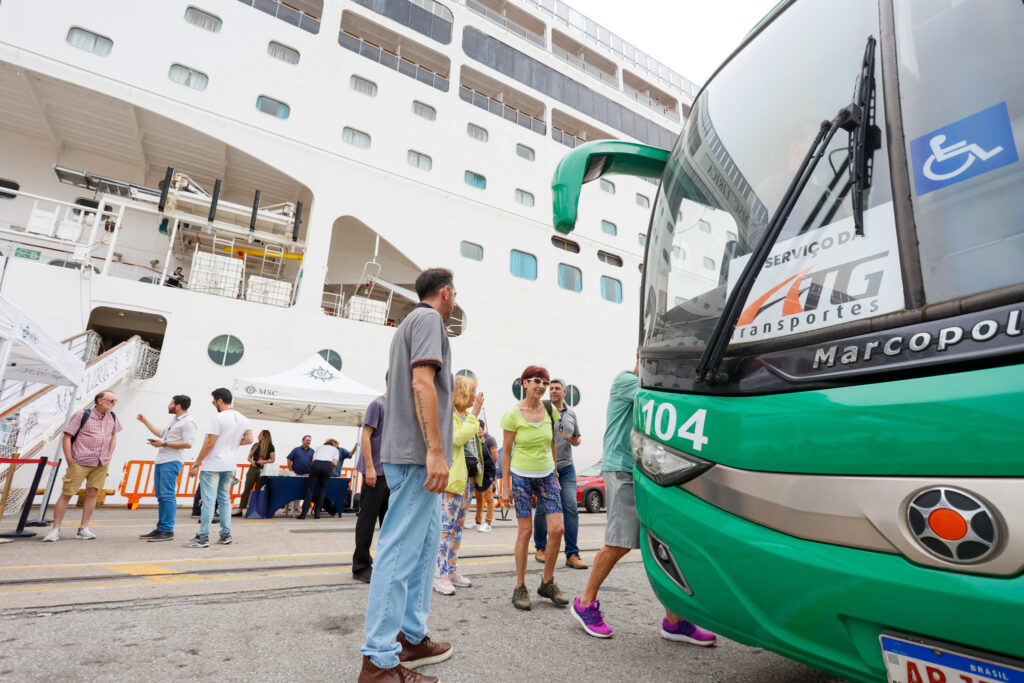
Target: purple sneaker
<point>590,619</point>
<point>686,632</point>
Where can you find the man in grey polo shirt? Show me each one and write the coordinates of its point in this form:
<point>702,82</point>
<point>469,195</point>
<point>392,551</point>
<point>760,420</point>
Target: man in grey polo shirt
<point>171,444</point>
<point>416,451</point>
<point>567,435</point>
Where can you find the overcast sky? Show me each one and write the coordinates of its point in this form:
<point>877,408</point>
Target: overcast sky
<point>691,37</point>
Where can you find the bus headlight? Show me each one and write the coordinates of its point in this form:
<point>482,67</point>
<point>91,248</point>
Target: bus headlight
<point>664,465</point>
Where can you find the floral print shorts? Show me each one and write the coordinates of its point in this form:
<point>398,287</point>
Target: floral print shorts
<point>549,498</point>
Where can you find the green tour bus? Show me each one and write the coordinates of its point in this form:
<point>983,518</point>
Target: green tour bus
<point>829,434</point>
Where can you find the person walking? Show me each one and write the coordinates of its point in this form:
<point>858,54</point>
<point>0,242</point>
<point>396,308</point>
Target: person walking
<point>88,443</point>
<point>416,452</point>
<point>530,471</point>
<point>466,470</point>
<point>261,454</point>
<point>216,466</point>
<point>622,532</point>
<point>373,498</point>
<point>567,435</point>
<point>171,443</point>
<point>484,493</point>
<point>325,459</point>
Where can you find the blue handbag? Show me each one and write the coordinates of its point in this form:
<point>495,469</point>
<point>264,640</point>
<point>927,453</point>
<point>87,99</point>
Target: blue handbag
<point>257,508</point>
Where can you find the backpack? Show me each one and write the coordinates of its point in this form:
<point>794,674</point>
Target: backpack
<point>85,416</point>
<point>551,416</point>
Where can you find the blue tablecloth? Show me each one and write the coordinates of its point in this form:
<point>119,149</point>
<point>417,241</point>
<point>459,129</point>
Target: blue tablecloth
<point>283,490</point>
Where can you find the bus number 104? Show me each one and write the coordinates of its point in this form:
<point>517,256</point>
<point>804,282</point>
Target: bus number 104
<point>664,420</point>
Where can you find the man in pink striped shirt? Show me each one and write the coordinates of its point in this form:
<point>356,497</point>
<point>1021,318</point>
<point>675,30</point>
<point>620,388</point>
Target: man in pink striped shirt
<point>88,443</point>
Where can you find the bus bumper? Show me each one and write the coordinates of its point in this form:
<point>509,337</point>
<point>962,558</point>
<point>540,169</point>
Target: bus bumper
<point>820,604</point>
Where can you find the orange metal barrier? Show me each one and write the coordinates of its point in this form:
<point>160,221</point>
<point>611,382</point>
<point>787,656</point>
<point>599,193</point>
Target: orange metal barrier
<point>137,482</point>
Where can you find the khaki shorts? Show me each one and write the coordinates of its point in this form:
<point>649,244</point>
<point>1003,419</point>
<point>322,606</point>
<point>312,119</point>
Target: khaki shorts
<point>94,477</point>
<point>622,528</point>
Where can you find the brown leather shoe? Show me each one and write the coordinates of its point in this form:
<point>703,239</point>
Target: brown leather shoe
<point>540,555</point>
<point>575,562</point>
<point>372,674</point>
<point>423,653</point>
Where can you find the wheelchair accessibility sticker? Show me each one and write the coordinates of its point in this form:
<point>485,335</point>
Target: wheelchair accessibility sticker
<point>969,147</point>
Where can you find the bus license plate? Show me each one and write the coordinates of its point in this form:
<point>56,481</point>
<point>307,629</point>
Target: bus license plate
<point>907,661</point>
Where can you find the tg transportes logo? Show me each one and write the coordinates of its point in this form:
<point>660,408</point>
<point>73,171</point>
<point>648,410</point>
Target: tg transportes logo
<point>952,524</point>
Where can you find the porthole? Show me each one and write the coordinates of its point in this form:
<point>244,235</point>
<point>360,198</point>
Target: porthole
<point>517,390</point>
<point>225,350</point>
<point>572,395</point>
<point>332,357</point>
<point>466,373</point>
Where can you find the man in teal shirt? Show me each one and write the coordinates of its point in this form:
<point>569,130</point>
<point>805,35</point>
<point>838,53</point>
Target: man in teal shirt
<point>622,532</point>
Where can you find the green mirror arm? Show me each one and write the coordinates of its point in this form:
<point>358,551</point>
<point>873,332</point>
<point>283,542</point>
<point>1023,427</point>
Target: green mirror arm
<point>592,160</point>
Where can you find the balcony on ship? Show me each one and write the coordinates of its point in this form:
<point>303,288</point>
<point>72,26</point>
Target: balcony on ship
<point>304,14</point>
<point>395,51</point>
<point>572,132</point>
<point>512,18</point>
<point>584,59</point>
<point>649,95</point>
<point>501,100</point>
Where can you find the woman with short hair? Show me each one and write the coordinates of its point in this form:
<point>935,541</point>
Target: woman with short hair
<point>325,459</point>
<point>528,470</point>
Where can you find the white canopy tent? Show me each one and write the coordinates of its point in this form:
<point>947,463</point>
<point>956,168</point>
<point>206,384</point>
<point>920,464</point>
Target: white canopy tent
<point>29,354</point>
<point>313,392</point>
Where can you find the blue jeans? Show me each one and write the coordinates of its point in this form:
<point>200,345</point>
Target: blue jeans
<point>403,570</point>
<point>216,486</point>
<point>165,481</point>
<point>570,515</point>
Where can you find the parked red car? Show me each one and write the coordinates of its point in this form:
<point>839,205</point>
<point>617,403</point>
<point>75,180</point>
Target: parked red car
<point>590,488</point>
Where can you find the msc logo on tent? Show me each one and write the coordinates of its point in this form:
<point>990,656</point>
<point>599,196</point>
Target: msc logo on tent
<point>252,390</point>
<point>321,373</point>
<point>952,524</point>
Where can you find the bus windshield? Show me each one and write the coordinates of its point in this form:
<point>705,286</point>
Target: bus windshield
<point>744,140</point>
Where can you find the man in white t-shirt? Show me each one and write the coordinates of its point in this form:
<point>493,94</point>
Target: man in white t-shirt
<point>216,463</point>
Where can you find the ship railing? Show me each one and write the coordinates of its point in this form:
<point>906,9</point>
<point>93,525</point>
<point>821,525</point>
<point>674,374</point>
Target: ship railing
<point>291,15</point>
<point>567,139</point>
<point>564,55</point>
<point>503,110</point>
<point>392,61</point>
<point>333,303</point>
<point>657,106</point>
<point>507,23</point>
<point>59,224</point>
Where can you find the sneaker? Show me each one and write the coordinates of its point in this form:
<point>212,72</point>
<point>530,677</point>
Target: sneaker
<point>460,581</point>
<point>363,575</point>
<point>540,555</point>
<point>591,619</point>
<point>422,653</point>
<point>685,632</point>
<point>152,534</point>
<point>443,585</point>
<point>575,562</point>
<point>225,539</point>
<point>551,591</point>
<point>471,525</point>
<point>197,542</point>
<point>521,598</point>
<point>54,535</point>
<point>85,534</point>
<point>484,528</point>
<point>162,536</point>
<point>370,672</point>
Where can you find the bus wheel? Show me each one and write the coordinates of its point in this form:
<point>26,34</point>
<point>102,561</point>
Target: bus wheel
<point>593,501</point>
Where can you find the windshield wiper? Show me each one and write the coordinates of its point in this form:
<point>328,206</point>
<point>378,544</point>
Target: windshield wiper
<point>855,117</point>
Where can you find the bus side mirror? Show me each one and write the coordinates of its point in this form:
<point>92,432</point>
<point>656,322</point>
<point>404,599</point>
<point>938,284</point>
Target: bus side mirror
<point>592,160</point>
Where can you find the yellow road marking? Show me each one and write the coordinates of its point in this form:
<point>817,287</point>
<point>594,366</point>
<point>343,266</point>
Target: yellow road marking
<point>141,569</point>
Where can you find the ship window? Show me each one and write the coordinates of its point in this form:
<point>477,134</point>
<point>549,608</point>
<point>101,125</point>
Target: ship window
<point>476,132</point>
<point>607,186</point>
<point>678,254</point>
<point>570,277</point>
<point>471,251</point>
<point>204,20</point>
<point>572,395</point>
<point>269,105</point>
<point>641,239</point>
<point>609,228</point>
<point>183,75</point>
<point>360,84</point>
<point>225,350</point>
<point>517,389</point>
<point>89,41</point>
<point>523,197</point>
<point>730,236</point>
<point>523,265</point>
<point>609,258</point>
<point>475,180</point>
<point>419,160</point>
<point>562,243</point>
<point>356,137</point>
<point>424,110</point>
<point>709,263</point>
<point>466,373</point>
<point>611,289</point>
<point>643,200</point>
<point>525,152</point>
<point>332,357</point>
<point>282,52</point>
<point>704,226</point>
<point>8,185</point>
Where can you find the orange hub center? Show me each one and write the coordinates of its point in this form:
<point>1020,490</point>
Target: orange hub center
<point>948,524</point>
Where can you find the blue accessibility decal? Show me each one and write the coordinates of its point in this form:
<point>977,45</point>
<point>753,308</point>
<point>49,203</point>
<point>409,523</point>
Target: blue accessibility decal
<point>969,147</point>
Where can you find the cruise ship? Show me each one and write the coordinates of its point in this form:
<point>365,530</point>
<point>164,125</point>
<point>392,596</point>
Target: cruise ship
<point>301,163</point>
